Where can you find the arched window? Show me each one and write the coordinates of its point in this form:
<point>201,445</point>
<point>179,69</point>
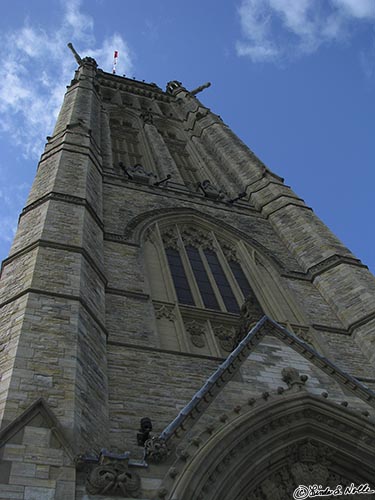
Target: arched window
<point>204,278</point>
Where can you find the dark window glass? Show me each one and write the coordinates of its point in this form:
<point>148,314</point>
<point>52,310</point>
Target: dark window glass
<point>180,281</point>
<point>222,282</point>
<point>241,278</point>
<point>201,277</point>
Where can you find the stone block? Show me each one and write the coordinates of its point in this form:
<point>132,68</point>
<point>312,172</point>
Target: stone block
<point>23,469</point>
<point>34,493</point>
<point>37,436</point>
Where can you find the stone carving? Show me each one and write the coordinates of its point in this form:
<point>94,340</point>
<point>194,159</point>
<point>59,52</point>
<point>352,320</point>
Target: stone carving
<point>113,477</point>
<point>170,238</point>
<point>197,331</point>
<point>305,462</point>
<point>156,450</point>
<point>211,191</point>
<point>138,173</point>
<point>332,261</point>
<point>226,336</point>
<point>251,313</point>
<point>197,237</point>
<point>165,311</point>
<point>293,379</point>
<point>144,432</point>
<point>147,117</point>
<point>229,251</point>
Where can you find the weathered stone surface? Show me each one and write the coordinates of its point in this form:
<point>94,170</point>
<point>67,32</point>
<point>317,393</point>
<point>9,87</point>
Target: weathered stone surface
<point>90,318</point>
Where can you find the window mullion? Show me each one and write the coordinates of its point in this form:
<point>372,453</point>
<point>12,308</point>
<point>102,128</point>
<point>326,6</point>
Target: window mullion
<point>189,274</point>
<point>212,280</point>
<point>229,274</point>
<point>171,290</point>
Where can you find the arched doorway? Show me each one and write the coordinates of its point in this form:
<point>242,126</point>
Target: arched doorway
<point>265,454</point>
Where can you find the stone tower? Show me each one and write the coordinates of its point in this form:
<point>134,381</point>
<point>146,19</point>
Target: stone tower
<point>152,245</point>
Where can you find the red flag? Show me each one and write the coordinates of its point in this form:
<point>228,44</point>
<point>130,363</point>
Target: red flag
<point>116,54</point>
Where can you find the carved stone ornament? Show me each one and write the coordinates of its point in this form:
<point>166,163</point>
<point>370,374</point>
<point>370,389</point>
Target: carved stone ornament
<point>138,173</point>
<point>229,251</point>
<point>251,313</point>
<point>197,332</point>
<point>147,117</point>
<point>293,379</point>
<point>165,311</point>
<point>197,237</point>
<point>156,450</point>
<point>113,477</point>
<point>307,463</point>
<point>170,238</point>
<point>226,336</point>
<point>211,191</point>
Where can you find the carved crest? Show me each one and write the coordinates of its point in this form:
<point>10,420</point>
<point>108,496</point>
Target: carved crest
<point>226,336</point>
<point>197,331</point>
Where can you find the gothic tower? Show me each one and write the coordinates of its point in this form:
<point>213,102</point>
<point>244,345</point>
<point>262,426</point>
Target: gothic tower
<point>162,272</point>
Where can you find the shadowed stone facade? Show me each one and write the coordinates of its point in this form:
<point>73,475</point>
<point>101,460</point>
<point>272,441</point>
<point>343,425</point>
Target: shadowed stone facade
<point>148,226</point>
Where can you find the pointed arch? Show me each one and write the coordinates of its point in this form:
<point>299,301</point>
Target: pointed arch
<point>203,288</point>
<point>136,228</point>
<point>265,453</point>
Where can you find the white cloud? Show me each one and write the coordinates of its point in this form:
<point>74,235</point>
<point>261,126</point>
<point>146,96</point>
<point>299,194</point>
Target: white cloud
<point>11,200</point>
<point>362,9</point>
<point>277,29</point>
<point>37,66</point>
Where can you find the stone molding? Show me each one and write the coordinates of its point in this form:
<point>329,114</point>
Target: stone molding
<point>57,246</point>
<point>134,229</point>
<point>331,262</point>
<point>65,198</point>
<point>191,413</point>
<point>40,406</point>
<point>74,298</point>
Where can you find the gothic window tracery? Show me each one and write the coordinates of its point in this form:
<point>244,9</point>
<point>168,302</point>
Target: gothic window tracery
<point>198,279</point>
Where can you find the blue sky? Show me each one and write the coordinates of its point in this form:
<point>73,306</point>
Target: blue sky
<point>295,79</point>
